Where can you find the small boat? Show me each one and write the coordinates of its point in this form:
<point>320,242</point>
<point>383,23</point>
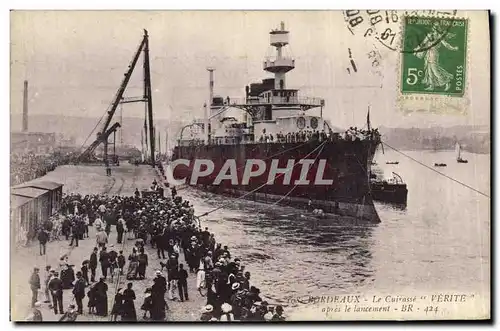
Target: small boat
<point>392,162</point>
<point>393,190</point>
<point>458,150</point>
<point>440,164</point>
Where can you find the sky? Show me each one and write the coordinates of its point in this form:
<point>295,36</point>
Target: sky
<point>75,61</point>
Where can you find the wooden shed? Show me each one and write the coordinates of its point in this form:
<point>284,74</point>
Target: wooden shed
<point>20,209</point>
<point>38,210</point>
<point>55,193</point>
<point>32,203</point>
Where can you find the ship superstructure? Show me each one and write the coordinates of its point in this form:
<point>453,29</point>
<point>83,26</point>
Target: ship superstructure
<point>271,109</point>
<point>282,152</point>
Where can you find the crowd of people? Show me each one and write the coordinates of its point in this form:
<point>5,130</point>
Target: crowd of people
<point>166,225</point>
<point>352,134</point>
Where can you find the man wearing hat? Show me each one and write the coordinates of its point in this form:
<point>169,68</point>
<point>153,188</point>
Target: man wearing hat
<point>227,315</point>
<point>217,252</point>
<point>113,263</point>
<point>79,291</point>
<point>172,263</point>
<point>207,313</point>
<point>101,297</point>
<point>120,229</point>
<point>182,283</point>
<point>209,264</point>
<point>48,276</point>
<point>278,314</point>
<point>35,286</point>
<point>161,280</point>
<point>121,262</point>
<point>43,238</point>
<point>104,259</point>
<point>56,288</point>
<point>101,238</point>
<point>93,264</point>
<point>246,280</point>
<point>85,271</point>
<point>173,277</point>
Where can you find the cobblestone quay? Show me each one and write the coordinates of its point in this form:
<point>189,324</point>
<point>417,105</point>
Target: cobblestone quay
<point>92,180</point>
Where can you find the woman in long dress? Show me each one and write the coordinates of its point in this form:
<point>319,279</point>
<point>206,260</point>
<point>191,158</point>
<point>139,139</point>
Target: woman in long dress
<point>92,299</point>
<point>133,265</point>
<point>434,74</point>
<point>143,263</point>
<point>117,306</point>
<point>101,289</point>
<point>147,305</point>
<point>67,276</point>
<point>158,303</point>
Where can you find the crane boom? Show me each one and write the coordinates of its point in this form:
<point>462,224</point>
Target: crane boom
<point>123,86</point>
<point>100,139</point>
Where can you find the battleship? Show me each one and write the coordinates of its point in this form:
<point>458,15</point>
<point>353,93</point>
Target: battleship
<point>280,151</point>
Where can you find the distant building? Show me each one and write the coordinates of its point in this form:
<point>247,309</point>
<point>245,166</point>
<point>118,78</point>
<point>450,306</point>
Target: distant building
<point>32,142</point>
<point>67,142</point>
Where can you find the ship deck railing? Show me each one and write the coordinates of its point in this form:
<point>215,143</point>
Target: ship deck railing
<point>275,100</point>
<point>287,139</point>
<point>278,62</point>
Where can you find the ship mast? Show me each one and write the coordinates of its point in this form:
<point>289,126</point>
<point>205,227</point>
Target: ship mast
<point>368,124</point>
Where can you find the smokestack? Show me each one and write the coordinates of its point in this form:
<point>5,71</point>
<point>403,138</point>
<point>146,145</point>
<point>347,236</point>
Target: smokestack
<point>208,104</point>
<point>25,107</point>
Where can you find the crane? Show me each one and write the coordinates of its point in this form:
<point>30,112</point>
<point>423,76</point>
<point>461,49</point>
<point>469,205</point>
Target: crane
<point>106,130</point>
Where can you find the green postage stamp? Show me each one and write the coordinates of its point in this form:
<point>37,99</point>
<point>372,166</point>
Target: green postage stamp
<point>434,56</point>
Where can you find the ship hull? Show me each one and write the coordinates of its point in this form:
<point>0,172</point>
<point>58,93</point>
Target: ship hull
<point>336,180</point>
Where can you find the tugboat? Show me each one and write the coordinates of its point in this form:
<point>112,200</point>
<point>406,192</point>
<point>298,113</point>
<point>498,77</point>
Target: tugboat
<point>440,164</point>
<point>458,150</point>
<point>278,151</point>
<point>393,190</point>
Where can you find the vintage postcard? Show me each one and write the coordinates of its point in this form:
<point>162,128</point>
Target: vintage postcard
<point>246,166</point>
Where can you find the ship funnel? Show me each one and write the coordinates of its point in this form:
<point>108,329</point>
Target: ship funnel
<point>208,105</point>
<point>211,85</point>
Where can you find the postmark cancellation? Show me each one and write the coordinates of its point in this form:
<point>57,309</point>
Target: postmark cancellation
<point>431,51</point>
